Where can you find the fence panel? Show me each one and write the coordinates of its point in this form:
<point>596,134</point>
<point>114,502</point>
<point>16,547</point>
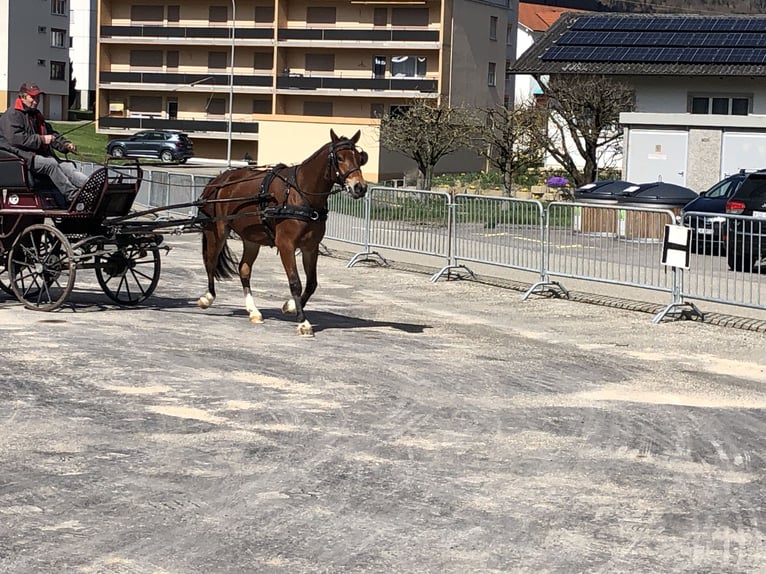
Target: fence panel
<point>610,244</point>
<point>499,231</point>
<point>410,220</point>
<point>724,271</point>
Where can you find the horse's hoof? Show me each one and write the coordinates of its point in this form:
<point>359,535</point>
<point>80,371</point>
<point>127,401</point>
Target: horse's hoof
<point>289,307</point>
<point>256,318</point>
<point>305,330</point>
<point>203,303</point>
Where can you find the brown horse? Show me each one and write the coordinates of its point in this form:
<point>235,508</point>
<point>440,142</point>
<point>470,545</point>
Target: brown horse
<point>284,207</point>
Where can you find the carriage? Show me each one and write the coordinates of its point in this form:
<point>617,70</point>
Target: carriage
<point>45,239</point>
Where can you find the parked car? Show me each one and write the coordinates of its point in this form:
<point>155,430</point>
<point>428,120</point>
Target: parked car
<point>709,232</point>
<point>746,236</point>
<point>166,145</point>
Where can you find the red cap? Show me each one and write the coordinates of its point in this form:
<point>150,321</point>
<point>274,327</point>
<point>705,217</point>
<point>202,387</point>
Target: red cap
<point>31,89</point>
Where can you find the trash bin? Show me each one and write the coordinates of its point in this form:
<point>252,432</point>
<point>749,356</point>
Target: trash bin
<point>599,193</point>
<point>645,226</point>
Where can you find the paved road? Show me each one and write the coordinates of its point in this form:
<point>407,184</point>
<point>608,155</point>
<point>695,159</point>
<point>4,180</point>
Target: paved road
<point>444,427</point>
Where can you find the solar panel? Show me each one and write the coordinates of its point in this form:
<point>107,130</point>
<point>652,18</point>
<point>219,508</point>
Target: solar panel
<point>662,39</point>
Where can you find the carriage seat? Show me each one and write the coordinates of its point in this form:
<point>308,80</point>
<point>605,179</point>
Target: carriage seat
<point>16,175</point>
<point>14,172</point>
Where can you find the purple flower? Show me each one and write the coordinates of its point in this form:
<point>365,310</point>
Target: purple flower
<point>556,181</point>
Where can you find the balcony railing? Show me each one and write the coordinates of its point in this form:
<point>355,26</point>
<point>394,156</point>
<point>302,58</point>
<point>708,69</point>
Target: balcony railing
<point>314,83</point>
<point>343,35</point>
<point>181,80</point>
<point>188,126</point>
<point>185,32</point>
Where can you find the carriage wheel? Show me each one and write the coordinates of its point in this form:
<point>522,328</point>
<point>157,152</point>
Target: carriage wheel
<point>5,284</point>
<point>41,268</point>
<point>130,275</point>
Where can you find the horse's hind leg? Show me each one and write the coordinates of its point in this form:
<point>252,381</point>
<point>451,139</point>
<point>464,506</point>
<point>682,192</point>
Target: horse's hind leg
<point>294,280</point>
<point>213,241</point>
<point>249,254</point>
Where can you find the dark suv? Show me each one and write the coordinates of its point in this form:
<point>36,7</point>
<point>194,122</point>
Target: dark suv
<point>746,236</point>
<point>166,145</point>
<point>709,230</point>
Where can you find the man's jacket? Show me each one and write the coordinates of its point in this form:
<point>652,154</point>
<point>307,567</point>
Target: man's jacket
<point>20,131</point>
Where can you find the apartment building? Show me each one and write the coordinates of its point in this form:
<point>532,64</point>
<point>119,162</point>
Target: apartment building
<point>34,47</point>
<point>268,79</point>
<point>83,32</point>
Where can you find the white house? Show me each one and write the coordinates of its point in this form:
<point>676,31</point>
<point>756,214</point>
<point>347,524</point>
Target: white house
<point>700,88</point>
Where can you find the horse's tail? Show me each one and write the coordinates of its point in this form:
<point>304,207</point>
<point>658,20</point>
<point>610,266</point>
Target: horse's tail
<point>226,267</point>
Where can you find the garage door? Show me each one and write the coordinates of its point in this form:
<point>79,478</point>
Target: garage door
<point>657,155</point>
<point>742,151</point>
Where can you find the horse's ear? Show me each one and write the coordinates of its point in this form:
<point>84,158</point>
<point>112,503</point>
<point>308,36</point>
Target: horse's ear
<point>333,136</point>
<point>356,136</point>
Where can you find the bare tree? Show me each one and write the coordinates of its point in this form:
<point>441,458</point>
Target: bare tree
<point>425,132</point>
<point>583,112</point>
<point>507,141</point>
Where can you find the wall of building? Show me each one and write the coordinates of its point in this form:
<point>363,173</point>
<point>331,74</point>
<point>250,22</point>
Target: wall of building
<point>472,49</point>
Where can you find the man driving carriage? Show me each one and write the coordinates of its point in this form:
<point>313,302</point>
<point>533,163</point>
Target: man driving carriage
<point>24,132</point>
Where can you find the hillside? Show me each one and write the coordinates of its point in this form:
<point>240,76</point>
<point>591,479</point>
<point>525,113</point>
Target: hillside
<point>664,7</point>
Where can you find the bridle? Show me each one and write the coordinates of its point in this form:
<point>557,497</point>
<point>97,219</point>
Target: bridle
<point>340,178</point>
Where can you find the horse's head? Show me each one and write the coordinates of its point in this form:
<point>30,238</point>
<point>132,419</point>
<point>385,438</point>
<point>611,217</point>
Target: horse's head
<point>346,161</point>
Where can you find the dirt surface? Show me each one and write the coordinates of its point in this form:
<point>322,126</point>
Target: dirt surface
<point>428,427</point>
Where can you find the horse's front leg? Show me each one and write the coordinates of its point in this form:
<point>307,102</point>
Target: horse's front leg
<point>310,257</point>
<point>249,255</point>
<point>294,305</point>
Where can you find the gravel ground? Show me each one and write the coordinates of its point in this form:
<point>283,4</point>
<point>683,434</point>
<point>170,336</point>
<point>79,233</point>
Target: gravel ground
<point>428,427</point>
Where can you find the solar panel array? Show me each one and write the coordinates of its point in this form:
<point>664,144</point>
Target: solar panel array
<point>675,39</point>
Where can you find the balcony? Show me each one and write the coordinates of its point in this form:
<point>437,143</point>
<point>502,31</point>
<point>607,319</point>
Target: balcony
<point>180,81</point>
<point>429,39</point>
<point>187,126</point>
<point>297,82</point>
<point>182,34</point>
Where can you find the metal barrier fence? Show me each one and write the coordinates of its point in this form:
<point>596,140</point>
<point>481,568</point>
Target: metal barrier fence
<point>619,245</point>
<point>723,267</point>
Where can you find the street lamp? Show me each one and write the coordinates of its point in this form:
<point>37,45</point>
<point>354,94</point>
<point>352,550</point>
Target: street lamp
<point>231,82</point>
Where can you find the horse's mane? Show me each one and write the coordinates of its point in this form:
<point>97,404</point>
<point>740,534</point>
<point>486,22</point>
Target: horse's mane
<point>321,150</point>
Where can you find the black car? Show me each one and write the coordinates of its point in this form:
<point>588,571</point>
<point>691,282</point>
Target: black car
<point>708,231</point>
<point>166,145</point>
<point>746,236</point>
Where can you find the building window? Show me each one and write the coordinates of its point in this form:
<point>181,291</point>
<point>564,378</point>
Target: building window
<point>493,28</point>
<point>317,108</point>
<point>408,66</point>
<point>218,14</point>
<point>509,36</point>
<point>58,7</point>
<point>146,105</point>
<point>58,38</point>
<point>320,62</point>
<point>264,15</point>
<point>147,59</point>
<point>417,17</point>
<point>216,107</point>
<point>320,15</point>
<point>491,75</point>
<point>171,59</point>
<point>380,17</point>
<point>263,61</point>
<point>261,106</point>
<point>174,13</point>
<point>720,105</point>
<point>217,60</point>
<point>58,70</point>
<point>376,111</point>
<point>141,13</point>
